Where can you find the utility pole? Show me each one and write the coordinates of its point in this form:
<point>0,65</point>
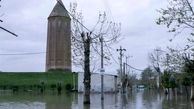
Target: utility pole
<point>127,57</point>
<point>121,66</point>
<point>157,68</point>
<point>102,69</point>
<point>167,62</point>
<point>126,64</point>
<point>121,57</point>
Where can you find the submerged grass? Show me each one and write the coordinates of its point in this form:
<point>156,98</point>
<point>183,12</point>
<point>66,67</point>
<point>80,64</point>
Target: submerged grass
<point>34,80</point>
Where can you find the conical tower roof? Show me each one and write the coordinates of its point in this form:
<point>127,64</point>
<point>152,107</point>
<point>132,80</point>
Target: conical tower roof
<point>59,10</point>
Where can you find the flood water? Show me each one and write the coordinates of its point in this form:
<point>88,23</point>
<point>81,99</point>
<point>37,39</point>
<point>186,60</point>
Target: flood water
<point>132,100</point>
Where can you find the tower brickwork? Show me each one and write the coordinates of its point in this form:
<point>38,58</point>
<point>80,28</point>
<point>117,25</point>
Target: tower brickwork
<point>58,55</point>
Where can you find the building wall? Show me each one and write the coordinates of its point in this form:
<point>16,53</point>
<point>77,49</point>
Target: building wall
<point>58,44</point>
<point>110,82</point>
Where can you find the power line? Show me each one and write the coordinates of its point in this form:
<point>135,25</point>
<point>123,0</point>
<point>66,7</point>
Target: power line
<point>8,31</point>
<point>83,25</point>
<point>112,56</point>
<point>134,68</point>
<point>120,50</point>
<point>75,18</point>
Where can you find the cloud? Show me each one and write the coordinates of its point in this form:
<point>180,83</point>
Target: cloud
<point>28,19</point>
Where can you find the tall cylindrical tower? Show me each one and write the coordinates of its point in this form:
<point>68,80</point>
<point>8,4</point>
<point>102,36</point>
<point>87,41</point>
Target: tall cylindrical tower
<point>58,55</point>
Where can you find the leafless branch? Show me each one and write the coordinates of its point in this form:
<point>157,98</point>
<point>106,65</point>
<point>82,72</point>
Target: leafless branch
<point>103,28</point>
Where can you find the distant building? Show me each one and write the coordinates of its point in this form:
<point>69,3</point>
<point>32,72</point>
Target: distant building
<point>58,55</point>
<point>110,83</point>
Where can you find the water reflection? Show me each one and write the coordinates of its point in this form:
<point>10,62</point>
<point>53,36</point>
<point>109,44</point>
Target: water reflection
<point>132,100</point>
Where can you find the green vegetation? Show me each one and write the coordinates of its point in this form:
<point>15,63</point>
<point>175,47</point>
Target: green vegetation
<point>148,78</point>
<point>36,80</point>
<point>168,80</point>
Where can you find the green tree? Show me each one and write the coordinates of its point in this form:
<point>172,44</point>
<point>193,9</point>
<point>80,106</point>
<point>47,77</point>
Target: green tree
<point>179,17</point>
<point>189,69</point>
<point>186,80</point>
<point>165,79</point>
<point>132,79</point>
<point>148,77</point>
<point>169,80</point>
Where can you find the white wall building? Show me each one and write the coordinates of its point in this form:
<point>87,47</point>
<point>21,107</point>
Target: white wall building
<point>110,83</point>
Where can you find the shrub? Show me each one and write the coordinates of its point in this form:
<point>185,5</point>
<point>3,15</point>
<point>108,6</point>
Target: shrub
<point>68,87</point>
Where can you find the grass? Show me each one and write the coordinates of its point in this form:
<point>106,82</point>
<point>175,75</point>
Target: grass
<point>32,80</point>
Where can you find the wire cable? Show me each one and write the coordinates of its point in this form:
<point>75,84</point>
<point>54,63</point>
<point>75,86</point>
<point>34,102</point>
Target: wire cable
<point>76,19</point>
<point>134,67</point>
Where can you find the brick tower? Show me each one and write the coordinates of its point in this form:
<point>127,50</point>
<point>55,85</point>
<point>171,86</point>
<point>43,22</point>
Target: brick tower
<point>58,55</point>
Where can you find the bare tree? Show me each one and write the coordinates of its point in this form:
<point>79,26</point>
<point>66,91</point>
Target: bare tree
<point>87,44</point>
<point>132,79</point>
<point>155,59</point>
<point>172,59</point>
<point>156,62</point>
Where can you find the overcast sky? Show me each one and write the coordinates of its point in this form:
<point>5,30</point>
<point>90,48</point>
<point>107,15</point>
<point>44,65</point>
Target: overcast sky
<point>28,19</point>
